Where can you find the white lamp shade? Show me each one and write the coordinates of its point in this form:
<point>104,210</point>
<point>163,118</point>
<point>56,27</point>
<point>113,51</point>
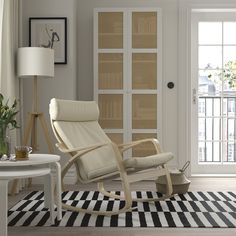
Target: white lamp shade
<point>35,61</point>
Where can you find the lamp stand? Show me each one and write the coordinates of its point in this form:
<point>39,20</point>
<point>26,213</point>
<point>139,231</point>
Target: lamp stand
<point>31,128</point>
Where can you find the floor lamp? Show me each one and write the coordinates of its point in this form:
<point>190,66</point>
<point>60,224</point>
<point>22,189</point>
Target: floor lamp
<point>35,62</point>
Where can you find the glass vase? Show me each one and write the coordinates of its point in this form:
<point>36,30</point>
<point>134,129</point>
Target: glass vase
<point>4,140</point>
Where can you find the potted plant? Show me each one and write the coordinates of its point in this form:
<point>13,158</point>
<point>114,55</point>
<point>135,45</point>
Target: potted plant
<point>7,120</point>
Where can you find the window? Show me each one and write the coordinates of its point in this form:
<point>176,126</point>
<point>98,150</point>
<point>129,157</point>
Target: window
<point>217,91</point>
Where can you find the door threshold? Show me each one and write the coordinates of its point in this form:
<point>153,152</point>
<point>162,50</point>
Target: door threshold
<point>213,175</point>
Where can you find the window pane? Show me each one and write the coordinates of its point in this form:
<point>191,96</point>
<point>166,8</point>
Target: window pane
<point>209,128</point>
<point>201,107</point>
<point>210,57</point>
<point>231,129</point>
<point>229,80</point>
<point>216,150</point>
<point>217,107</point>
<point>224,108</point>
<point>210,82</point>
<point>224,151</point>
<point>229,56</point>
<point>201,129</point>
<point>201,151</point>
<point>231,107</point>
<point>216,130</point>
<point>209,106</point>
<point>229,32</point>
<point>231,152</point>
<point>215,35</point>
<point>209,151</point>
<point>225,131</point>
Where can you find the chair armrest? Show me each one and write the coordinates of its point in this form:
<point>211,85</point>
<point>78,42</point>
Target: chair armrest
<point>126,146</point>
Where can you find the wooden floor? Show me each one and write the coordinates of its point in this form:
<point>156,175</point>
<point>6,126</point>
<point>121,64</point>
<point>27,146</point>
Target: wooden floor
<point>197,184</point>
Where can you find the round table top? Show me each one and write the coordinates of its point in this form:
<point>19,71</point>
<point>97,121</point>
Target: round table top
<point>23,172</point>
<point>34,159</point>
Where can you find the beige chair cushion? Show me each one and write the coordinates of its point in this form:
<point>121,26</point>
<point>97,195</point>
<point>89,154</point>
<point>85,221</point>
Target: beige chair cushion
<point>141,163</point>
<point>67,110</point>
<point>82,134</point>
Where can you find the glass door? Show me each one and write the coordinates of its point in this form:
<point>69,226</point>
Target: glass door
<point>215,77</point>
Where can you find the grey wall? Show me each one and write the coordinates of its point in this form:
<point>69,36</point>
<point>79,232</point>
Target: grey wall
<point>64,83</point>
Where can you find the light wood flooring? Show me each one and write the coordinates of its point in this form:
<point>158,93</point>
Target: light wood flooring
<point>197,184</point>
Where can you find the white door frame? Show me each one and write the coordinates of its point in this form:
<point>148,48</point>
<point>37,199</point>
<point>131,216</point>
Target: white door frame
<point>184,74</point>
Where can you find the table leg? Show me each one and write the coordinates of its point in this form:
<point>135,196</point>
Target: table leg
<point>3,207</point>
<point>58,190</point>
<point>48,195</point>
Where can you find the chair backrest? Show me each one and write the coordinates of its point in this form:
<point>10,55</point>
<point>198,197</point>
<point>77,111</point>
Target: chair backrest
<point>75,124</point>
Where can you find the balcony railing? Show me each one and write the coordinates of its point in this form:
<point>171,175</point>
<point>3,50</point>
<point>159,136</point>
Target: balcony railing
<point>217,129</point>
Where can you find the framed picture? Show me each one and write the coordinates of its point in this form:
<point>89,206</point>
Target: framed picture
<point>50,32</point>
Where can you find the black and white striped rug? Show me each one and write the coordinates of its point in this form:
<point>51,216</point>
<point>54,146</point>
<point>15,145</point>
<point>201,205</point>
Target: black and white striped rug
<point>193,209</point>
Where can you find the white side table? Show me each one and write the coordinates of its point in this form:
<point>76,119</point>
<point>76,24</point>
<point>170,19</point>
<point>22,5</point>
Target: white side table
<point>37,165</point>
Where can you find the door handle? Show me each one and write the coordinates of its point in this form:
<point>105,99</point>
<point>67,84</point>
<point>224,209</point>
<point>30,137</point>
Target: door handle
<point>170,85</point>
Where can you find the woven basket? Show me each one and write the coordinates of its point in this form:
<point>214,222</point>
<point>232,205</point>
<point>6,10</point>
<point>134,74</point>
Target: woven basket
<point>180,182</point>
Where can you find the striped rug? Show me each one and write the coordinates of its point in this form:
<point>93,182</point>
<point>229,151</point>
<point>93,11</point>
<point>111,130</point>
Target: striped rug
<point>193,209</point>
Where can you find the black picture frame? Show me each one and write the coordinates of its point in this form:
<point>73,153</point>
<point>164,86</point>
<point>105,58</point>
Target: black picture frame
<point>50,32</point>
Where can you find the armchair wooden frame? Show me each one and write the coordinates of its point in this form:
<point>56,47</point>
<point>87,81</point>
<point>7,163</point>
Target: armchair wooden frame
<point>127,177</point>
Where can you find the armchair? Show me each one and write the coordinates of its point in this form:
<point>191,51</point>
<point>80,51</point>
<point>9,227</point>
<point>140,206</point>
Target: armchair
<point>97,158</point>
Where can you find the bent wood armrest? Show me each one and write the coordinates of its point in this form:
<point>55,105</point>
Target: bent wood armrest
<point>126,146</point>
